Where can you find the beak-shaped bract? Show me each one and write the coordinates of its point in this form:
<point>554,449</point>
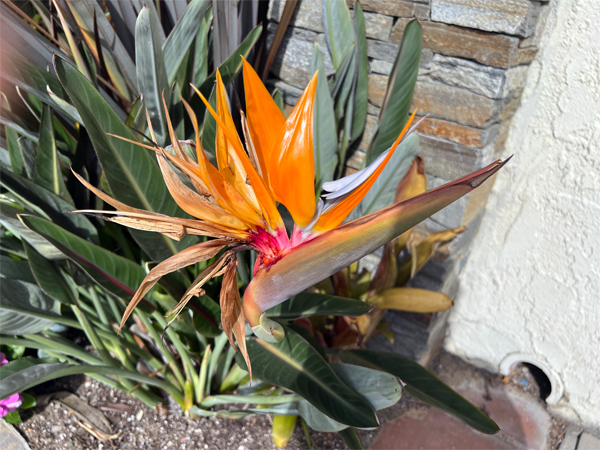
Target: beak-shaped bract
<point>331,251</point>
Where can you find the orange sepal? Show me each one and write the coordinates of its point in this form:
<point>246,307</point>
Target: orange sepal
<point>291,166</point>
<point>267,204</point>
<point>265,119</point>
<point>228,160</point>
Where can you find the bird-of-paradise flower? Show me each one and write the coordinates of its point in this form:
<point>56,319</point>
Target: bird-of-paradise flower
<point>236,204</point>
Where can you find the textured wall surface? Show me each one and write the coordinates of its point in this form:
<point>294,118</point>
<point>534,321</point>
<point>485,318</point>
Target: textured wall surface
<point>531,284</point>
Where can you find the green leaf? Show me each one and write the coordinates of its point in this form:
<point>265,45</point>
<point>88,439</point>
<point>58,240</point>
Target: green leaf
<point>201,53</point>
<point>25,373</point>
<point>28,401</point>
<point>401,84</point>
<point>383,191</point>
<point>229,69</point>
<point>28,154</point>
<point>48,277</point>
<point>13,418</point>
<point>151,72</point>
<point>339,31</point>
<point>15,269</point>
<point>294,364</point>
<point>47,169</point>
<point>136,118</point>
<point>16,160</point>
<point>324,134</point>
<point>20,306</point>
<point>10,220</point>
<point>351,438</point>
<point>132,174</point>
<point>65,106</point>
<point>180,39</point>
<point>278,99</point>
<point>48,204</point>
<point>206,315</point>
<point>209,133</point>
<point>119,64</point>
<point>116,274</point>
<point>11,120</point>
<point>359,114</point>
<point>380,390</point>
<point>422,385</point>
<point>310,304</point>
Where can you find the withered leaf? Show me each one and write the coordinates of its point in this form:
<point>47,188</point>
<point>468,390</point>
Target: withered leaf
<point>187,257</point>
<point>232,315</point>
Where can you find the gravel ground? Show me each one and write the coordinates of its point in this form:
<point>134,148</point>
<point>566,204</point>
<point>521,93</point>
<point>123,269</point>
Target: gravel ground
<point>140,427</point>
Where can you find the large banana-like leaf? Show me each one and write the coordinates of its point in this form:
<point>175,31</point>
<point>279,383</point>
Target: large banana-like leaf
<point>401,84</point>
<point>48,204</point>
<point>310,304</point>
<point>151,72</point>
<point>339,31</point>
<point>47,169</point>
<point>182,36</point>
<point>380,389</point>
<point>132,174</point>
<point>294,364</point>
<point>113,272</point>
<point>21,304</point>
<point>324,133</point>
<point>423,385</point>
<point>383,190</point>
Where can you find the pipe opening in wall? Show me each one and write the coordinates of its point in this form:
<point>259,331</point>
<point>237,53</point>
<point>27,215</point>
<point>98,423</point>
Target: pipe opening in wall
<point>540,376</point>
<point>541,380</point>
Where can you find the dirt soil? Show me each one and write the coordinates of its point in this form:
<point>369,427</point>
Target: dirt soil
<point>140,427</point>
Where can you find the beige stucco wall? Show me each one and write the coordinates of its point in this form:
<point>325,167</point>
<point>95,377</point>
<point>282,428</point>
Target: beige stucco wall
<point>530,289</point>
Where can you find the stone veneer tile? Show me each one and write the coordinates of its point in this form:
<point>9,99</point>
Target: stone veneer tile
<point>494,50</point>
<point>516,17</point>
<point>397,8</point>
<point>373,110</point>
<point>365,139</point>
<point>377,88</point>
<point>381,67</point>
<point>459,134</point>
<point>377,26</point>
<point>477,78</point>
<point>292,62</point>
<point>307,15</point>
<point>382,50</point>
<point>448,160</point>
<point>455,104</point>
